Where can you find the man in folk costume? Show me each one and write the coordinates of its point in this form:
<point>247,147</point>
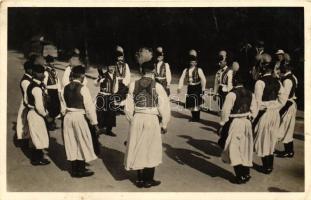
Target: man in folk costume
<point>288,111</point>
<point>53,89</point>
<point>77,136</point>
<point>22,131</point>
<point>74,60</point>
<point>37,115</point>
<point>239,107</point>
<point>105,108</point>
<point>223,78</point>
<point>146,101</point>
<point>123,75</point>
<point>162,70</point>
<point>269,96</point>
<point>194,77</point>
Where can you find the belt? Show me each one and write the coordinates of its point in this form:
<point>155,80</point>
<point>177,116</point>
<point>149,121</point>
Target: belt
<point>240,115</point>
<point>197,83</point>
<point>52,86</point>
<point>105,93</point>
<point>161,78</point>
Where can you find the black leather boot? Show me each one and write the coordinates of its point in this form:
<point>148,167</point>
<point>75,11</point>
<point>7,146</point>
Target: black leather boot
<point>149,175</point>
<point>81,170</point>
<point>38,159</point>
<point>140,179</point>
<point>239,177</point>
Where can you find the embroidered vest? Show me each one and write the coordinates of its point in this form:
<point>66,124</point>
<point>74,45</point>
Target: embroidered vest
<point>31,98</point>
<point>27,78</point>
<point>242,102</point>
<point>162,71</point>
<point>120,69</point>
<point>272,87</point>
<point>294,82</point>
<point>108,83</point>
<point>145,93</point>
<point>224,76</point>
<point>72,95</point>
<point>194,78</point>
<point>52,79</point>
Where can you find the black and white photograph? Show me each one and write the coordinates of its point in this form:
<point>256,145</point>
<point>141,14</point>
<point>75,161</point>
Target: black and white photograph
<point>154,99</point>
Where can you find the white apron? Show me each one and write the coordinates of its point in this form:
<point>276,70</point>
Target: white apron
<point>22,130</point>
<point>144,147</point>
<point>77,137</point>
<point>38,131</point>
<point>267,132</point>
<point>239,144</point>
<point>287,125</point>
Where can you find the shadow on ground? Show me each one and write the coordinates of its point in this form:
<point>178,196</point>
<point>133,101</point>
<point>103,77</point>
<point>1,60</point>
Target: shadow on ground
<point>197,161</point>
<point>113,160</point>
<point>208,147</point>
<point>57,154</point>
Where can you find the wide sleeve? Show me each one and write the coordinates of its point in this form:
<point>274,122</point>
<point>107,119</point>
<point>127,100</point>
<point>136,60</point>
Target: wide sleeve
<point>168,74</point>
<point>25,85</point>
<point>259,87</point>
<point>164,107</point>
<point>226,109</point>
<point>46,78</point>
<point>89,105</point>
<point>129,103</point>
<point>84,81</point>
<point>216,83</point>
<point>127,78</point>
<point>254,107</point>
<point>287,85</point>
<point>39,106</point>
<point>202,77</point>
<point>181,79</point>
<point>230,76</point>
<point>66,75</point>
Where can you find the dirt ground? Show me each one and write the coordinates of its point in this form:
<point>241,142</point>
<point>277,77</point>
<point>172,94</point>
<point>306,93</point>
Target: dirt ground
<point>191,157</point>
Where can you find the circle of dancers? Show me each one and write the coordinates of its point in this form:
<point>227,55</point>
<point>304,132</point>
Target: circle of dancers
<point>251,120</point>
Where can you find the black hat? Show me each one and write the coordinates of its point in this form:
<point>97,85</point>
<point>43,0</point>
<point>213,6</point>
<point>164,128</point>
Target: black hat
<point>49,59</point>
<point>192,58</point>
<point>147,67</point>
<point>27,65</point>
<point>238,79</point>
<point>260,43</point>
<point>118,54</point>
<point>78,70</point>
<point>159,52</point>
<point>37,68</point>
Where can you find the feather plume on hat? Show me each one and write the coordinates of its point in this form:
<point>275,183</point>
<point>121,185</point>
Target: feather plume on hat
<point>143,55</point>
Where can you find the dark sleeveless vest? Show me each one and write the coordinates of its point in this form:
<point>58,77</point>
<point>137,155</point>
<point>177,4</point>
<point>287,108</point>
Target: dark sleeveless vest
<point>294,87</point>
<point>107,85</point>
<point>120,69</point>
<point>72,95</point>
<point>224,76</point>
<point>272,87</point>
<point>162,73</point>
<point>31,98</point>
<point>52,79</point>
<point>144,93</point>
<point>195,76</point>
<point>20,84</point>
<point>242,102</point>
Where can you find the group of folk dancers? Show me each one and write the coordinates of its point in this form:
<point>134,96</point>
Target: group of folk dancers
<point>267,114</point>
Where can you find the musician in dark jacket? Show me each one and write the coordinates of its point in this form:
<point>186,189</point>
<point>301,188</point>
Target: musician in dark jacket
<point>105,100</point>
<point>53,87</point>
<point>194,77</point>
<point>162,70</point>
